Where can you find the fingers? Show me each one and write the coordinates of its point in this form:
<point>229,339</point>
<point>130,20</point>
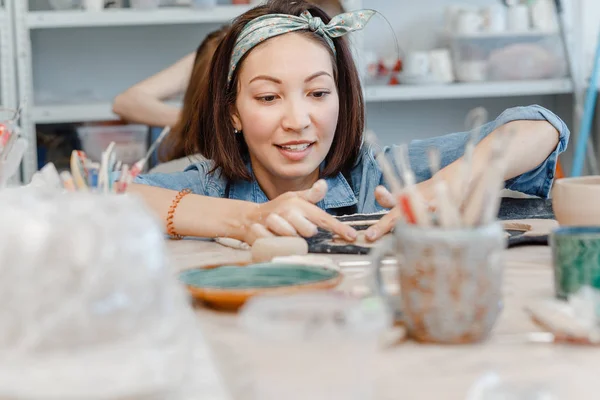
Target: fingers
<point>258,231</point>
<point>279,225</point>
<point>384,197</point>
<point>316,193</point>
<point>328,222</point>
<point>384,225</point>
<point>302,225</point>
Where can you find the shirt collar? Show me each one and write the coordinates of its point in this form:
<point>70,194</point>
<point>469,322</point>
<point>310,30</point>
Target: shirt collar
<point>339,193</point>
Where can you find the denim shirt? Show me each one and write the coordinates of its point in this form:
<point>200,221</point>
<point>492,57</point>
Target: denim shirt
<point>366,176</point>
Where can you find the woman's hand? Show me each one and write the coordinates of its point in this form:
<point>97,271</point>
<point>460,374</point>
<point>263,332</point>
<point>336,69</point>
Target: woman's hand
<point>386,200</point>
<point>295,214</point>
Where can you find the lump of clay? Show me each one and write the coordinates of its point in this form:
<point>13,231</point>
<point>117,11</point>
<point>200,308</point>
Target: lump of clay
<point>264,249</point>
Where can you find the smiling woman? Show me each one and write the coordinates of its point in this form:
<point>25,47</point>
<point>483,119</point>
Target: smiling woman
<point>281,124</point>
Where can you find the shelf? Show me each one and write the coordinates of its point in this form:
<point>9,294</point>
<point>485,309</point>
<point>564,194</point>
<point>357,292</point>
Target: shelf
<point>498,35</point>
<point>49,114</point>
<point>467,90</point>
<point>132,17</point>
<point>102,111</point>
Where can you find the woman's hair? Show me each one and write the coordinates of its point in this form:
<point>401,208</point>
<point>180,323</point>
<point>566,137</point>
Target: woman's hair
<point>175,145</point>
<point>207,120</point>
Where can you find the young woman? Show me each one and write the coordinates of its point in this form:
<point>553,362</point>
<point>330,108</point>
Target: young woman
<point>145,101</point>
<point>282,126</point>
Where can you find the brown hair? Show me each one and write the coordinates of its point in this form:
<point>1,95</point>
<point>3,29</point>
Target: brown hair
<point>176,144</point>
<point>208,119</point>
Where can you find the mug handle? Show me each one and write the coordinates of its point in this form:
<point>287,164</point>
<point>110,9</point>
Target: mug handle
<point>379,252</point>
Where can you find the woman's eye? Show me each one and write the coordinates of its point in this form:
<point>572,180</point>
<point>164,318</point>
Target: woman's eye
<point>320,94</point>
<point>267,99</point>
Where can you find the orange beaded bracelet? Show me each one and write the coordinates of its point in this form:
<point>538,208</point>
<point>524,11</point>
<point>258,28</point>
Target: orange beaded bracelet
<point>171,214</point>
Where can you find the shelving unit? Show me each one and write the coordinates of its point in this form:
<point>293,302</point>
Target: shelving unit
<point>39,33</point>
<point>131,17</point>
<point>103,111</point>
<point>467,90</point>
<point>29,22</point>
<point>8,88</point>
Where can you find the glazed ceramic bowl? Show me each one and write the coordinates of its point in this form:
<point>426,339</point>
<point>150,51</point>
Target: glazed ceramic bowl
<point>575,201</point>
<point>576,259</point>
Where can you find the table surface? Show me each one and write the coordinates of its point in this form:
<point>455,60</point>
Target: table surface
<point>410,370</point>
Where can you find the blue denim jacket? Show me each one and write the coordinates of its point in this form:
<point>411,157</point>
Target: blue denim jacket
<point>366,175</point>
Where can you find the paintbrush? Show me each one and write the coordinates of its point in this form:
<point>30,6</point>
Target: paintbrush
<point>77,170</point>
<point>139,166</point>
<point>411,200</point>
<point>474,122</point>
<point>386,168</point>
<point>447,212</point>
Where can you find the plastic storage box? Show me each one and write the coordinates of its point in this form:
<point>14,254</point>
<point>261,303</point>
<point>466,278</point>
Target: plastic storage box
<point>507,56</point>
<point>131,141</point>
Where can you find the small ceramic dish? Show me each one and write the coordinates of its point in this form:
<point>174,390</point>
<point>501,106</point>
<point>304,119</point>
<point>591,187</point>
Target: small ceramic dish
<point>227,287</point>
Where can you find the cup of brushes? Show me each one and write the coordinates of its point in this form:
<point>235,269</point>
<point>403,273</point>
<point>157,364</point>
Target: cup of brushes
<point>450,255</point>
<point>107,176</point>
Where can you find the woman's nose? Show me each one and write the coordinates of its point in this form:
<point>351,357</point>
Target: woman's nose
<point>296,116</point>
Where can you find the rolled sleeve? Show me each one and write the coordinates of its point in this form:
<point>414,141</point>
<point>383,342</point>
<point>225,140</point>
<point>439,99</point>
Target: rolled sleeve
<point>194,178</point>
<point>537,182</point>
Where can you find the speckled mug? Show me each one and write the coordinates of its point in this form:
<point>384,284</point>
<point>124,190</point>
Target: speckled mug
<point>576,258</point>
<point>450,280</point>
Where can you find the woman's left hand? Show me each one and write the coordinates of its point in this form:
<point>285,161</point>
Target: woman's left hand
<point>388,221</point>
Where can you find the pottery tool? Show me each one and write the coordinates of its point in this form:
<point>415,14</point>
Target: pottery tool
<point>474,122</point>
<point>411,200</point>
<point>447,212</point>
<point>67,181</point>
<point>139,166</point>
<point>386,168</point>
<point>78,171</point>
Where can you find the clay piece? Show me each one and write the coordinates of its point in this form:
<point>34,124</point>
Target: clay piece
<point>265,249</point>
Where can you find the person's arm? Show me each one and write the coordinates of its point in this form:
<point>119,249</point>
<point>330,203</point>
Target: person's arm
<point>192,218</point>
<point>144,102</point>
<point>532,143</point>
<point>291,214</point>
<point>539,136</point>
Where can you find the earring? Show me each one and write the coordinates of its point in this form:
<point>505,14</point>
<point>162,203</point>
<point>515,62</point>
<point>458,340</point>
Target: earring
<point>235,131</point>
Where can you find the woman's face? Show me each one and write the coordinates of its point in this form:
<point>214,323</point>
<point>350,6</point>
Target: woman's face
<point>287,106</point>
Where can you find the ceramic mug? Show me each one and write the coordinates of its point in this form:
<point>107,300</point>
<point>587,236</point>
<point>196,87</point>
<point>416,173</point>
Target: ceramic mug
<point>576,258</point>
<point>575,201</point>
<point>450,281</point>
<point>417,64</point>
<point>441,65</point>
<point>469,22</point>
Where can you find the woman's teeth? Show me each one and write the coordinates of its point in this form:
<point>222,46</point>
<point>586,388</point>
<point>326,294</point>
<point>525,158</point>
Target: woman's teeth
<point>296,147</point>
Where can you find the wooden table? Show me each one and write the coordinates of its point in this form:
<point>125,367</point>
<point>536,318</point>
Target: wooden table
<point>409,370</point>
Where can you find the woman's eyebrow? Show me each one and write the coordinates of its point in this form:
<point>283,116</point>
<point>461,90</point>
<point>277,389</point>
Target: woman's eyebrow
<point>266,78</point>
<point>316,75</point>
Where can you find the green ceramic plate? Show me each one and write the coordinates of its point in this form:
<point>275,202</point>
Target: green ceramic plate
<point>228,287</point>
<point>256,276</point>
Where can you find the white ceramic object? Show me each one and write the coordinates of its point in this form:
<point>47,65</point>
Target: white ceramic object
<point>93,5</point>
<point>469,22</point>
<point>575,201</point>
<point>441,65</point>
<point>518,18</point>
<point>472,71</point>
<point>417,64</point>
<point>494,18</point>
<point>145,4</point>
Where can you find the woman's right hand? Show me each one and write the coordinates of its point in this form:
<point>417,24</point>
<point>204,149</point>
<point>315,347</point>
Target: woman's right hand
<point>295,214</point>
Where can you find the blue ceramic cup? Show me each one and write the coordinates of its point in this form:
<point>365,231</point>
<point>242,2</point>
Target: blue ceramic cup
<point>576,258</point>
